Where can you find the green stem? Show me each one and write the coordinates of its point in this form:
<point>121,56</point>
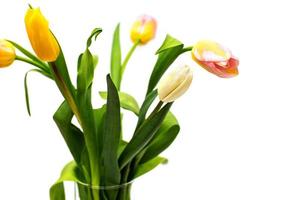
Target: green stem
<point>187,49</point>
<point>65,92</point>
<point>127,58</point>
<point>31,62</point>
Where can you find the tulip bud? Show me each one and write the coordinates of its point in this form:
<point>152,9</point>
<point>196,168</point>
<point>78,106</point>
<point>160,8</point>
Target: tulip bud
<point>42,40</point>
<point>215,58</point>
<point>143,29</point>
<point>7,53</point>
<point>175,84</point>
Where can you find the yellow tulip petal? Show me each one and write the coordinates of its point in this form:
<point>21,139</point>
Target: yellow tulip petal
<point>7,53</point>
<point>42,40</point>
<point>207,50</point>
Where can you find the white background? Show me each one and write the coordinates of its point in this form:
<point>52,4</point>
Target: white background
<point>239,137</point>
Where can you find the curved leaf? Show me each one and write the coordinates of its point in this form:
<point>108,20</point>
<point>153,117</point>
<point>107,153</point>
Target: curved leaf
<point>72,135</point>
<point>70,172</point>
<point>95,33</point>
<point>150,165</point>
<point>163,138</point>
<point>127,101</point>
<point>26,88</point>
<point>143,135</point>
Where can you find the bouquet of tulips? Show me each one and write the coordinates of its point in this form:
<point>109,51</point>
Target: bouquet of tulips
<point>102,158</point>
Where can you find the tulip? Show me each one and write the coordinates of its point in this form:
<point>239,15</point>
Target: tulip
<point>143,29</point>
<point>215,58</point>
<point>7,53</point>
<point>175,84</point>
<point>42,40</point>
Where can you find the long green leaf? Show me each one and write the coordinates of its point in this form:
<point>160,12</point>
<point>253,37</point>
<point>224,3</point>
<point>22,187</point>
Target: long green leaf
<point>71,134</point>
<point>116,58</point>
<point>150,165</point>
<point>26,88</point>
<point>112,136</point>
<point>164,137</point>
<point>100,115</point>
<point>167,55</point>
<point>143,136</point>
<point>145,107</point>
<point>71,172</point>
<point>127,101</point>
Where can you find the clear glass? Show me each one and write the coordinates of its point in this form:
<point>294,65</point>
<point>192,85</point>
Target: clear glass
<point>87,192</point>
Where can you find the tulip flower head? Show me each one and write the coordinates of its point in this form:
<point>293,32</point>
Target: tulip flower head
<point>143,29</point>
<point>7,53</point>
<point>42,40</point>
<point>215,58</point>
<point>175,84</point>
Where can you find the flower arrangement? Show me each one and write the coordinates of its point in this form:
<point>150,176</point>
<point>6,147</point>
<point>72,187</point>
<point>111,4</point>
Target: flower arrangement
<point>102,158</point>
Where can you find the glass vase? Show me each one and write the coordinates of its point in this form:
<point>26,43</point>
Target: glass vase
<point>86,192</point>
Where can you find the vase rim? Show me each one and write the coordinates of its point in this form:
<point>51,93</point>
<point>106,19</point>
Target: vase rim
<point>108,187</point>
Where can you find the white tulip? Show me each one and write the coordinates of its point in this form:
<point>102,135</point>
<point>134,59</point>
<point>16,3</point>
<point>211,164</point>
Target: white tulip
<point>175,84</point>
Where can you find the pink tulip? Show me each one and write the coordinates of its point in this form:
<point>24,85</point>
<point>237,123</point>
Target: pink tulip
<point>215,58</point>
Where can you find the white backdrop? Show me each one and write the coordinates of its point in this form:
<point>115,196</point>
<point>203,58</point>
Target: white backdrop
<point>239,137</point>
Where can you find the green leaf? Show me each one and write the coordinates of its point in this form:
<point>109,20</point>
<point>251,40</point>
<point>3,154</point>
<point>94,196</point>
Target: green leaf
<point>122,146</point>
<point>71,134</point>
<point>145,107</point>
<point>100,115</point>
<point>127,101</point>
<point>164,137</point>
<point>26,88</point>
<point>71,172</point>
<point>85,74</point>
<point>116,58</point>
<point>95,33</point>
<point>150,165</point>
<point>95,61</point>
<point>112,136</point>
<point>87,64</point>
<point>143,136</point>
<point>165,59</point>
<point>169,42</point>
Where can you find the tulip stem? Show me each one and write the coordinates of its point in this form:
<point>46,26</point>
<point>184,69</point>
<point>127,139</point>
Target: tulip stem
<point>127,58</point>
<point>187,49</point>
<point>31,62</point>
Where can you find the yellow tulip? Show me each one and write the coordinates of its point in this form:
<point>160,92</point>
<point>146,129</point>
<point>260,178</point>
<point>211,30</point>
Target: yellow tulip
<point>7,53</point>
<point>175,84</point>
<point>42,40</point>
<point>215,58</point>
<point>143,29</point>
